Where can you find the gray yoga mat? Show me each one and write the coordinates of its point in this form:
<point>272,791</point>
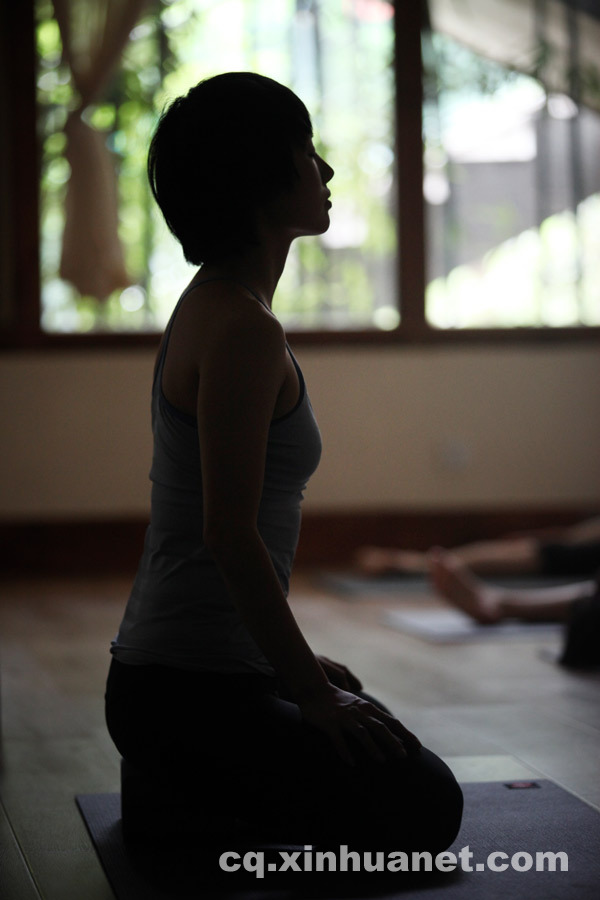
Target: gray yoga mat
<point>353,586</point>
<point>525,818</point>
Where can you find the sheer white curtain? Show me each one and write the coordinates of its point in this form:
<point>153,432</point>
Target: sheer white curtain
<point>94,34</point>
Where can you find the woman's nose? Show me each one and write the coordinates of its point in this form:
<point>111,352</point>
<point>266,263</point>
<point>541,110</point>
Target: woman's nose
<point>327,172</point>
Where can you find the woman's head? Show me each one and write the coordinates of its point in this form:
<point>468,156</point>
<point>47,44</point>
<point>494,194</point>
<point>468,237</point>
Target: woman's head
<point>221,153</point>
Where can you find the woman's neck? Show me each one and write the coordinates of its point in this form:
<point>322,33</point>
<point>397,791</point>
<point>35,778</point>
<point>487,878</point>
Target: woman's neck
<point>259,268</point>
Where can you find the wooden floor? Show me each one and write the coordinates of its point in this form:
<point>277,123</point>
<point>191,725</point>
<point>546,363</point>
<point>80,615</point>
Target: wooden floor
<point>493,710</point>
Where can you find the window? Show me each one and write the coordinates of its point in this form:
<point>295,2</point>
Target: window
<point>337,56</point>
<point>440,230</point>
<point>512,190</point>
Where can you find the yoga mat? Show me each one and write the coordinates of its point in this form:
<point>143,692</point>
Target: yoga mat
<point>523,818</point>
<point>353,586</point>
<point>447,626</point>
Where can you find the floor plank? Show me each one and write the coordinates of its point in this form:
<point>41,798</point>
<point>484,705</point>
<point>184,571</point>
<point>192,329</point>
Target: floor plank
<point>16,882</point>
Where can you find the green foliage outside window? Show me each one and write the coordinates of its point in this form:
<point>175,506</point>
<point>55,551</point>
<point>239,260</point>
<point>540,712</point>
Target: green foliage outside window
<point>491,263</point>
<point>339,65</point>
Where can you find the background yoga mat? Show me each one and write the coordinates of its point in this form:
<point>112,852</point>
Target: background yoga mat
<point>354,586</point>
<point>350,585</point>
<point>445,626</point>
<point>542,817</point>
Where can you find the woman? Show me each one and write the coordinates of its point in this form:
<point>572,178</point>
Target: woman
<point>211,677</point>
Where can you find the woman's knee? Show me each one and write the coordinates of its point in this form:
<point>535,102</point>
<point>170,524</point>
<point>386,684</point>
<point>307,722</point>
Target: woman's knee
<point>437,801</point>
<point>412,804</point>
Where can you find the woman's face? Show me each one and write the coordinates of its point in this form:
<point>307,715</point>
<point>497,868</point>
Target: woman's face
<point>304,208</point>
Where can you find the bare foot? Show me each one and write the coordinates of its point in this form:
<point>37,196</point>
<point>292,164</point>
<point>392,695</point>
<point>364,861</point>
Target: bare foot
<point>412,562</point>
<point>380,560</point>
<point>453,580</point>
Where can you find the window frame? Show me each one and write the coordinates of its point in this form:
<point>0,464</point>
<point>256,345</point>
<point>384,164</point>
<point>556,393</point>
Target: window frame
<point>19,250</point>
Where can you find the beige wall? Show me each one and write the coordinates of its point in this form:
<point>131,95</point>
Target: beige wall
<point>418,428</point>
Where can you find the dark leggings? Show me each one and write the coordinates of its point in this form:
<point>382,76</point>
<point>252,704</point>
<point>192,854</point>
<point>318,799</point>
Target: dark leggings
<point>237,743</point>
<point>577,560</point>
<point>582,640</point>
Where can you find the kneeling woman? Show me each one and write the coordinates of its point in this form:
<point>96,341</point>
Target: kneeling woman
<point>212,681</point>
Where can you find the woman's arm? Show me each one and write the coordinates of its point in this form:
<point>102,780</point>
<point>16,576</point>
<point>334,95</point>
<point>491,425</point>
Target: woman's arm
<point>241,371</point>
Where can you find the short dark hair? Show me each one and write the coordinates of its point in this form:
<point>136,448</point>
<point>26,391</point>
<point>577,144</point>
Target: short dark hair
<point>218,154</point>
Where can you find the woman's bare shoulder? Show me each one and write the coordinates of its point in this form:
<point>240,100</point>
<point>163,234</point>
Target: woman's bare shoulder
<point>227,312</point>
<point>220,328</point>
<point>223,315</point>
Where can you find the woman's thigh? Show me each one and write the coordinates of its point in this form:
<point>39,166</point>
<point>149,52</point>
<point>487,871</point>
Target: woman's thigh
<point>296,780</point>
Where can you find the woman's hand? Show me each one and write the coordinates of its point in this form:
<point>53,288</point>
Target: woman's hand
<point>339,675</point>
<point>341,715</point>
